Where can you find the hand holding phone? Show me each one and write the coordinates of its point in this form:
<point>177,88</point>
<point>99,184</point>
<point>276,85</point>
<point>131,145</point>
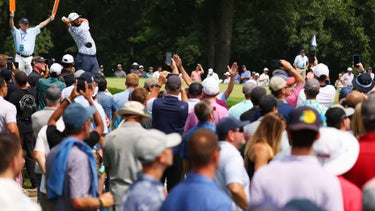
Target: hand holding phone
<point>356,58</point>
<point>168,57</point>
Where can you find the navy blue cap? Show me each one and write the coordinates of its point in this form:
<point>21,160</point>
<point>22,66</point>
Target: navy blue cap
<point>229,123</point>
<point>89,77</point>
<point>24,20</point>
<point>75,115</point>
<point>304,118</point>
<point>6,74</point>
<point>173,82</point>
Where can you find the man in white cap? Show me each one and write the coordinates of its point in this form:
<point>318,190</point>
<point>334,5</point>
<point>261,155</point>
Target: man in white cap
<point>153,149</point>
<point>348,77</point>
<point>264,78</point>
<point>24,40</point>
<point>119,72</point>
<point>212,74</point>
<point>118,150</point>
<point>44,83</point>
<point>80,30</point>
<point>67,73</point>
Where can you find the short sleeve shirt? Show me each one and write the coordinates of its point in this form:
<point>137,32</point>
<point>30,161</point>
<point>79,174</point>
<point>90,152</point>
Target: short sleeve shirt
<point>301,61</point>
<point>8,113</point>
<point>25,41</point>
<point>81,35</point>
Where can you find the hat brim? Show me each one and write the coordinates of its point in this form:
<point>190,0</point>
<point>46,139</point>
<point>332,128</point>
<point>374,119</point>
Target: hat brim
<point>349,154</point>
<point>302,126</point>
<point>173,139</point>
<point>122,112</point>
<point>361,87</point>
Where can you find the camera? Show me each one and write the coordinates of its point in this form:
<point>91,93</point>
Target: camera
<point>81,85</point>
<point>10,63</point>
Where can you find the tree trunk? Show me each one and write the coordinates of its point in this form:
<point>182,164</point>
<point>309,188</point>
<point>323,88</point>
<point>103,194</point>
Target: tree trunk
<point>211,34</point>
<point>222,55</point>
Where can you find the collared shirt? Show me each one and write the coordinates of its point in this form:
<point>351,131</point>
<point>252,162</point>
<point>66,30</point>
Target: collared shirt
<point>347,79</point>
<point>220,112</point>
<point>146,193</point>
<point>238,109</point>
<point>264,79</point>
<point>192,102</point>
<point>118,156</point>
<point>107,103</point>
<point>25,41</point>
<point>320,108</point>
<point>301,61</point>
<point>293,97</point>
<point>185,138</point>
<point>197,192</point>
<point>231,170</point>
<point>245,74</point>
<point>8,114</point>
<point>294,177</point>
<point>121,98</point>
<point>82,36</point>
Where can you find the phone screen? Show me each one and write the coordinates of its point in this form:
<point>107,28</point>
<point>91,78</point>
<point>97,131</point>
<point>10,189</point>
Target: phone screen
<point>80,85</point>
<point>311,56</point>
<point>9,63</point>
<point>356,59</point>
<point>168,57</point>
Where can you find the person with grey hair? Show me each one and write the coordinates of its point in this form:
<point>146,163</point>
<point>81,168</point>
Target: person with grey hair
<point>312,88</point>
<point>205,114</point>
<point>40,119</point>
<point>363,170</point>
<point>238,109</point>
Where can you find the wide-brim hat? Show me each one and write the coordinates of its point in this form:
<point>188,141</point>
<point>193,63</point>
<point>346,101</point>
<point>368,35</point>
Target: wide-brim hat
<point>363,82</point>
<point>336,150</point>
<point>133,108</point>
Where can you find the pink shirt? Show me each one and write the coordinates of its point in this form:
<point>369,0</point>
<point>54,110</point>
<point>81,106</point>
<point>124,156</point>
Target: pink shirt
<point>196,75</point>
<point>293,97</point>
<point>192,120</point>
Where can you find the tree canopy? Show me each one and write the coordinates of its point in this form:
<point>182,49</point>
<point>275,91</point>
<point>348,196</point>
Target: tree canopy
<point>213,33</point>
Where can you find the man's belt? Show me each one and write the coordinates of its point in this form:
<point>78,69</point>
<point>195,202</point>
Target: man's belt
<point>24,56</point>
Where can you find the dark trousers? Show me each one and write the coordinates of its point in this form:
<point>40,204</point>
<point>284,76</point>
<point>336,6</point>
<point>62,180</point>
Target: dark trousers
<point>174,173</point>
<point>88,63</point>
<point>28,144</point>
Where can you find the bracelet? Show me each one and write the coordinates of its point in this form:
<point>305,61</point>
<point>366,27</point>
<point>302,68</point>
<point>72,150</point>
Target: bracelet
<point>101,201</point>
<point>68,99</point>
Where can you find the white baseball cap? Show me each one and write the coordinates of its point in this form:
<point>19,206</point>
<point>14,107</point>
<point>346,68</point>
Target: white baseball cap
<point>349,69</point>
<point>68,59</point>
<point>321,69</point>
<point>56,68</point>
<point>73,16</point>
<point>211,86</point>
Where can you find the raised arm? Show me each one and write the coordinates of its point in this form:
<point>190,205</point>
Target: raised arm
<point>185,76</point>
<point>11,21</point>
<point>285,65</point>
<point>232,70</point>
<point>47,21</point>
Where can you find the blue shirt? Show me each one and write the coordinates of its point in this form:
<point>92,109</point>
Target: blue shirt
<point>145,193</point>
<point>301,61</point>
<point>238,109</point>
<point>244,74</point>
<point>107,103</point>
<point>200,125</point>
<point>197,192</point>
<point>25,41</point>
<point>121,98</point>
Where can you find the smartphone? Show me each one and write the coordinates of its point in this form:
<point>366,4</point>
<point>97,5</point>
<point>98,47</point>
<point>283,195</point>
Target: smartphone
<point>16,64</point>
<point>311,56</point>
<point>9,63</point>
<point>276,63</point>
<point>168,57</point>
<point>356,58</point>
<point>80,85</point>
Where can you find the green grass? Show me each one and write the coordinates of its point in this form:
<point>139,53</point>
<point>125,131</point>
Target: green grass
<point>116,85</point>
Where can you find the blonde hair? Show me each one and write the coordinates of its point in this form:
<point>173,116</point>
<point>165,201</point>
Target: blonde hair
<point>357,123</point>
<point>132,80</point>
<point>269,132</point>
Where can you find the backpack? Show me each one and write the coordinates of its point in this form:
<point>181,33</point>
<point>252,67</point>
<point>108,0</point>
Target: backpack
<point>28,106</point>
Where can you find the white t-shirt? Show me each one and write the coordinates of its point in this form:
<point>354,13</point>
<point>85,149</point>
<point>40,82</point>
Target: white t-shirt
<point>325,97</point>
<point>12,197</point>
